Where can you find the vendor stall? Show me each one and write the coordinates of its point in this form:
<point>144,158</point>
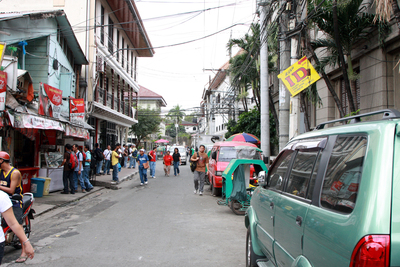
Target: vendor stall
<point>50,163</point>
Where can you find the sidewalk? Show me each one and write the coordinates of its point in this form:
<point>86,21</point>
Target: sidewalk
<point>56,199</point>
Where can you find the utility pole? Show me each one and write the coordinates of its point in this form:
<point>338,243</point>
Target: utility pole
<point>264,83</point>
<point>284,97</point>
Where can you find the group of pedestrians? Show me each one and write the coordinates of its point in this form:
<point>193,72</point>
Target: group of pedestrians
<point>72,174</point>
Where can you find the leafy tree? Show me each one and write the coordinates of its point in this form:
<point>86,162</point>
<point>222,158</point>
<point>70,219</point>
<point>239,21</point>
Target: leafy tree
<point>250,122</point>
<point>148,123</point>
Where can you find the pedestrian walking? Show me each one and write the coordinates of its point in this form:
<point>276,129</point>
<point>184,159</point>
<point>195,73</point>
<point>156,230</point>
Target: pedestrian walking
<point>132,156</point>
<point>99,157</point>
<point>78,169</point>
<point>10,181</point>
<point>153,160</point>
<point>107,160</point>
<point>177,161</point>
<point>114,162</point>
<point>86,168</point>
<point>167,160</point>
<point>200,172</point>
<point>8,215</point>
<point>67,172</point>
<point>142,159</point>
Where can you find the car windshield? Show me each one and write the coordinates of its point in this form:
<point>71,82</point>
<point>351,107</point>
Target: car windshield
<point>227,153</point>
<point>180,149</point>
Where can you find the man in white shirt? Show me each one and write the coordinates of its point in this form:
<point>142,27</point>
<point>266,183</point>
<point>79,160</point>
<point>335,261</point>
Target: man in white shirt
<point>107,158</point>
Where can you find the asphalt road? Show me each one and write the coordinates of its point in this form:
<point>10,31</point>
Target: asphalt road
<point>160,224</point>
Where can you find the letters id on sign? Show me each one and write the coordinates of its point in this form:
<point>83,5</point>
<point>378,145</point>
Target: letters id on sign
<point>299,76</point>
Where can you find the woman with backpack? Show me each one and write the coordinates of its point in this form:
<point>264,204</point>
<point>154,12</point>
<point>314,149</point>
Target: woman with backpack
<point>132,159</point>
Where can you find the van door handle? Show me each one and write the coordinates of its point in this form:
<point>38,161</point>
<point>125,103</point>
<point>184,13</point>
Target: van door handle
<point>271,205</point>
<point>299,220</point>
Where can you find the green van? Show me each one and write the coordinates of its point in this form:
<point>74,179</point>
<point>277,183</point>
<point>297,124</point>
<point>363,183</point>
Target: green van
<point>330,198</point>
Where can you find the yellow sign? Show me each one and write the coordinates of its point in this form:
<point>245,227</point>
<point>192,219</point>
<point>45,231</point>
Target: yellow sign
<point>299,76</point>
<point>2,49</point>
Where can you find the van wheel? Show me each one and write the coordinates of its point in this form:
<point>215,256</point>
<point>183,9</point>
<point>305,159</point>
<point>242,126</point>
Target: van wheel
<point>251,257</point>
<point>236,207</point>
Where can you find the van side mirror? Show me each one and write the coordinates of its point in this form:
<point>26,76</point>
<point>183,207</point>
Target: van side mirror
<point>262,175</point>
<point>214,155</point>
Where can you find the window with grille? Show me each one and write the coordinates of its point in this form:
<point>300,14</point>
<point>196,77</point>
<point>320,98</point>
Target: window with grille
<point>102,25</point>
<point>110,35</point>
<point>117,45</point>
<point>123,54</point>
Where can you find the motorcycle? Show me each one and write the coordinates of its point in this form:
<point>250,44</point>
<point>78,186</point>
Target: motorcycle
<point>27,203</point>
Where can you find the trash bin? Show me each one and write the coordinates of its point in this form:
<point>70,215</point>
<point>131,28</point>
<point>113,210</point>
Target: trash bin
<point>46,188</point>
<point>37,186</point>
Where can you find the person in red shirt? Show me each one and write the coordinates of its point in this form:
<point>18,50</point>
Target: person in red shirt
<point>167,163</point>
<point>153,158</point>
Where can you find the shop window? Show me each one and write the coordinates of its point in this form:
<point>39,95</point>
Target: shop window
<point>344,171</point>
<point>300,174</point>
<point>277,173</point>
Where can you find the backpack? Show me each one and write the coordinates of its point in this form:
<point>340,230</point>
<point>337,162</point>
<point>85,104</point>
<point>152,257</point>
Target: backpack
<point>93,163</point>
<point>99,154</point>
<point>193,164</point>
<point>73,161</point>
<point>134,153</point>
<point>83,155</point>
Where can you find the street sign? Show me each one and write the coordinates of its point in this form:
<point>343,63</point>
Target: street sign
<point>299,76</point>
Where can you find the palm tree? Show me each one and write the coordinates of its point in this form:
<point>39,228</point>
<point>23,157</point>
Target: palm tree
<point>344,24</point>
<point>176,114</point>
<point>384,8</point>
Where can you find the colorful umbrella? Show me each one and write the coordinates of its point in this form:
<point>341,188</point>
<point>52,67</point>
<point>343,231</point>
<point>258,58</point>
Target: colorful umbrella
<point>244,137</point>
<point>162,141</point>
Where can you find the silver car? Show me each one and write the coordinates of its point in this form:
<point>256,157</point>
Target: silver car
<point>182,151</point>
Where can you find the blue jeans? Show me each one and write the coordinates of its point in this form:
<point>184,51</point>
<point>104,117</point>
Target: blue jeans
<point>85,178</point>
<point>68,178</point>
<point>107,166</point>
<point>99,164</point>
<point>132,162</point>
<point>143,174</point>
<point>126,161</point>
<point>77,177</point>
<point>115,173</point>
<point>152,168</point>
<point>176,167</point>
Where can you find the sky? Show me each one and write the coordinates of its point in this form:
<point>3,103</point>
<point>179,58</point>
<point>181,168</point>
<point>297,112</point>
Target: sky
<point>180,72</point>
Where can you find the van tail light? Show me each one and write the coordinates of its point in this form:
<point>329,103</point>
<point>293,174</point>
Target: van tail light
<point>371,251</point>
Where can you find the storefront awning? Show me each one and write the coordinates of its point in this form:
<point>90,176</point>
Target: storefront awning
<point>36,122</point>
<point>76,132</point>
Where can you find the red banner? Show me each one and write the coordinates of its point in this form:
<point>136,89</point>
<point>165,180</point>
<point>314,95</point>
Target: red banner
<point>50,100</point>
<point>3,89</point>
<point>77,110</point>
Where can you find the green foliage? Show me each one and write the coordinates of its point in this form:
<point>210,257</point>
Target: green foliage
<point>175,115</point>
<point>170,130</point>
<point>148,123</point>
<point>250,122</point>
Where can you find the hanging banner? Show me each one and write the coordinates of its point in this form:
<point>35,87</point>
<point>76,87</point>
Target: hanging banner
<point>77,111</point>
<point>3,90</point>
<point>35,122</point>
<point>50,101</point>
<point>299,76</point>
<point>76,132</point>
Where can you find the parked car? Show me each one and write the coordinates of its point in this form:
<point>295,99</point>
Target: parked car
<point>222,153</point>
<point>330,198</point>
<point>182,151</point>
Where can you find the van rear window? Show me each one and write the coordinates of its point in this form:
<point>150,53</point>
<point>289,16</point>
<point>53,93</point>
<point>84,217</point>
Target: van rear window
<point>344,173</point>
<point>227,153</point>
